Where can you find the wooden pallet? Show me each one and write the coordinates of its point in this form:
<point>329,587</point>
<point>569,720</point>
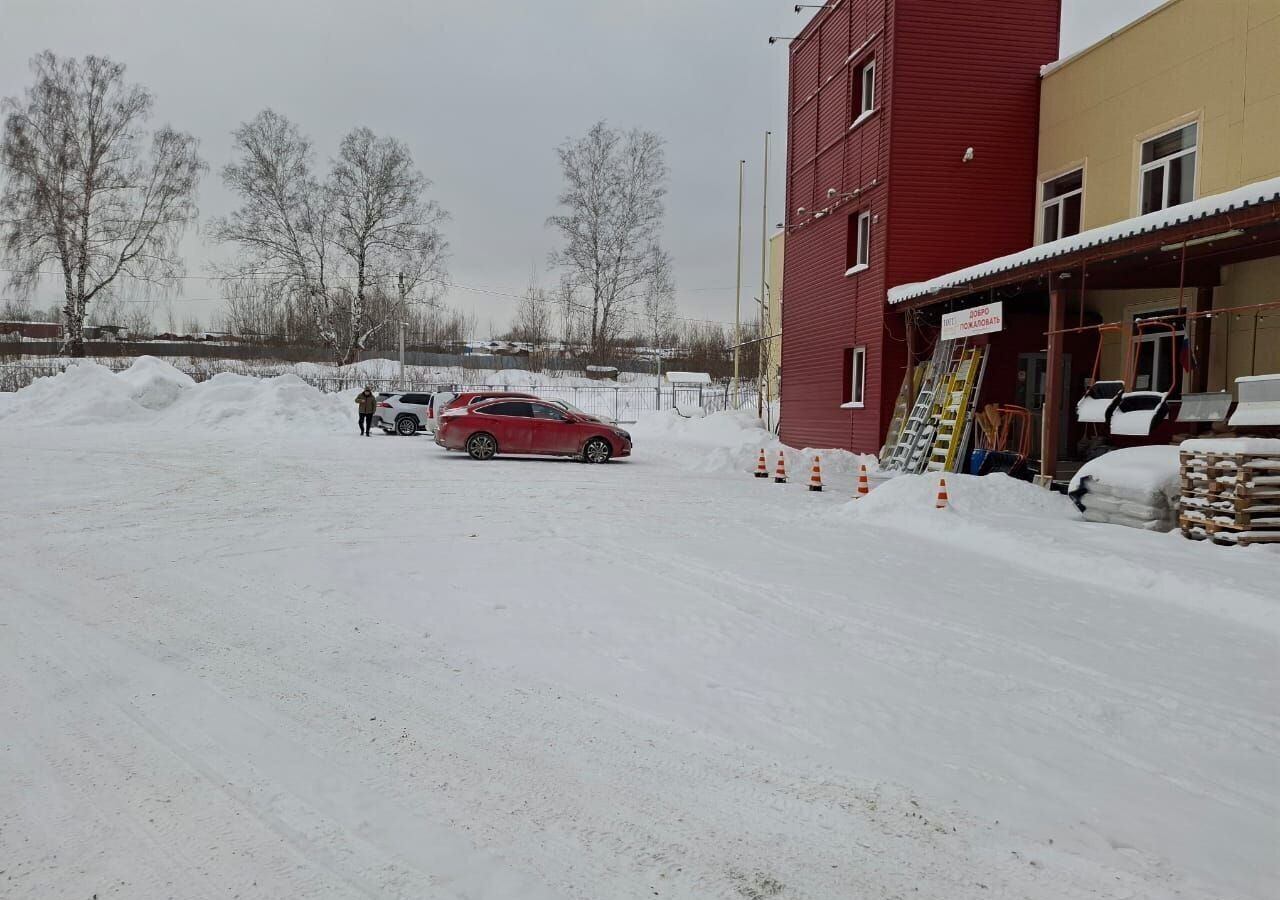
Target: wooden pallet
<point>1230,498</point>
<point>1238,497</point>
<point>1219,534</point>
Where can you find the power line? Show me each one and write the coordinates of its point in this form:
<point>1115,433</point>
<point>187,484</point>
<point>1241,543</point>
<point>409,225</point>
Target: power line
<point>492,292</point>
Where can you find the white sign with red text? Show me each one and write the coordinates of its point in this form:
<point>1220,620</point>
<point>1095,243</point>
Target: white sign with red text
<point>968,322</point>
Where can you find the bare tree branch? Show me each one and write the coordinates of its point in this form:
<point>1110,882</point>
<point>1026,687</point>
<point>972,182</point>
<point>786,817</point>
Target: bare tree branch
<point>610,225</point>
<point>82,192</point>
<point>337,243</point>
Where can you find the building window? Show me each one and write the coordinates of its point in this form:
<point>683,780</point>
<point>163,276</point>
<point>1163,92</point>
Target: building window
<point>1156,350</point>
<point>1168,169</point>
<point>858,254</point>
<point>866,91</point>
<point>855,377</point>
<point>1060,204</point>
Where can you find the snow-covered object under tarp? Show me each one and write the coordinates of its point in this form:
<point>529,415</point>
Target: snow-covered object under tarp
<point>1137,487</point>
<point>1138,413</point>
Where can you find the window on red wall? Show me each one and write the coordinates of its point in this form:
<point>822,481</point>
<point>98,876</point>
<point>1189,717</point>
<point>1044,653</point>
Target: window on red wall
<point>858,248</point>
<point>855,378</point>
<point>864,92</point>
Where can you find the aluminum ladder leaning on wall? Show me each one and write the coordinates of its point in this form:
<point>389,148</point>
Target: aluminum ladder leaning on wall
<point>910,454</point>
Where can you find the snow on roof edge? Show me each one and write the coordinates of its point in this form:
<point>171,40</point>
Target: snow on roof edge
<point>1249,195</point>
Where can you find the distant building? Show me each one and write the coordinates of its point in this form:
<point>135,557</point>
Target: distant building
<point>34,331</point>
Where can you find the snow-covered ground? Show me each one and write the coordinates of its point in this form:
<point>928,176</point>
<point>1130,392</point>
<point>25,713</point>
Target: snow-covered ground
<point>247,652</point>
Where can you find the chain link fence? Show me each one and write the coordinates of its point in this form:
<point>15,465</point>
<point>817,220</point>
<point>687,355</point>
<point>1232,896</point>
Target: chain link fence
<point>619,402</point>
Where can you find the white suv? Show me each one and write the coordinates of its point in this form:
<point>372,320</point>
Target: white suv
<point>405,414</point>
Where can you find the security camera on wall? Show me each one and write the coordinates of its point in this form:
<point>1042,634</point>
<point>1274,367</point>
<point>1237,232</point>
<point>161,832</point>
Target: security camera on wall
<point>801,211</point>
<point>831,192</point>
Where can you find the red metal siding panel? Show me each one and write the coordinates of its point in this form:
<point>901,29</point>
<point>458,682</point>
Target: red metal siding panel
<point>947,79</point>
<point>961,82</point>
<point>834,35</point>
<point>824,313</point>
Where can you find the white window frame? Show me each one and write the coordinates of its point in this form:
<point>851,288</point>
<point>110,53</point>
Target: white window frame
<point>1059,202</point>
<point>862,259</point>
<point>1164,163</point>
<point>857,379</point>
<point>1163,341</point>
<point>866,105</point>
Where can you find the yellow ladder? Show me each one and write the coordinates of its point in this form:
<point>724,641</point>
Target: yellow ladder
<point>954,409</point>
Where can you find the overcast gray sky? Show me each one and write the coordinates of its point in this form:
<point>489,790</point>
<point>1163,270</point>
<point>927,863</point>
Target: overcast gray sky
<point>482,92</point>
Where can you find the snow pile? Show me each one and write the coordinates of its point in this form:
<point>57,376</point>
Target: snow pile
<point>153,383</point>
<point>730,442</point>
<point>85,393</point>
<point>1136,486</point>
<point>152,392</point>
<point>240,402</point>
<point>910,496</point>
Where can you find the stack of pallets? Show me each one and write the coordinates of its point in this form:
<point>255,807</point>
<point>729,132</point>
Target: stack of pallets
<point>1229,496</point>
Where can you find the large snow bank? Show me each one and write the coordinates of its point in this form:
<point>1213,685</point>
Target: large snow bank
<point>152,392</point>
<point>1135,486</point>
<point>911,495</point>
<point>731,441</point>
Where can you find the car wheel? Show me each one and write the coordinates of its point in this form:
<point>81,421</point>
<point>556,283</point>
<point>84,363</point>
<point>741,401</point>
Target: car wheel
<point>482,446</point>
<point>597,451</point>
<point>407,425</point>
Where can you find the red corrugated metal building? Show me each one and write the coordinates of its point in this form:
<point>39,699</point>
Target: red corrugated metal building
<point>912,128</point>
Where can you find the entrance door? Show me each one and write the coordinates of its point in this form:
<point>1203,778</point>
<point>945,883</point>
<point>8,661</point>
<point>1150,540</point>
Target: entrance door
<point>1033,379</point>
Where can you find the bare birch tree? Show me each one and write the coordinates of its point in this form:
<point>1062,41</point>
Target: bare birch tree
<point>659,310</point>
<point>334,245</point>
<point>610,225</point>
<point>533,319</point>
<point>83,193</point>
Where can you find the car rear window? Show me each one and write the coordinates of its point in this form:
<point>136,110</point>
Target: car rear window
<point>417,399</point>
<point>516,408</point>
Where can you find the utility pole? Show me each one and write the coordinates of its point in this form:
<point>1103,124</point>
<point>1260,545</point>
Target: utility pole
<point>400,281</point>
<point>764,260</point>
<point>737,301</point>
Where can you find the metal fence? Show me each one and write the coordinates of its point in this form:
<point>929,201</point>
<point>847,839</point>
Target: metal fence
<point>285,355</point>
<point>620,402</point>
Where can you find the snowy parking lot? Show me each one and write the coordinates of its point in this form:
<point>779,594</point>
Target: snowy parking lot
<point>246,652</point>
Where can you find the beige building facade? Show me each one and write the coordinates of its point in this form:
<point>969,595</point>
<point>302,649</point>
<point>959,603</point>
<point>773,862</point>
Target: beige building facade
<point>1183,103</point>
<point>773,345</point>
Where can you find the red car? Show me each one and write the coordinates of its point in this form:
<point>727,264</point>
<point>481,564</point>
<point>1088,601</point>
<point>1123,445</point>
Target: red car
<point>529,427</point>
<point>446,401</point>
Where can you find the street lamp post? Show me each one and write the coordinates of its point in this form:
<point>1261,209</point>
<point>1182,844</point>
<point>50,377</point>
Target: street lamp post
<point>764,259</point>
<point>737,295</point>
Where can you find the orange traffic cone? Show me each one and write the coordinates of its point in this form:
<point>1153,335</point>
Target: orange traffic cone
<point>762,467</point>
<point>942,494</point>
<point>864,486</point>
<point>815,480</point>
<point>780,475</point>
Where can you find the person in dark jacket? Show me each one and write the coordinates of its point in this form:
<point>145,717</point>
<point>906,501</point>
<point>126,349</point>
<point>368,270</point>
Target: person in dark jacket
<point>367,403</point>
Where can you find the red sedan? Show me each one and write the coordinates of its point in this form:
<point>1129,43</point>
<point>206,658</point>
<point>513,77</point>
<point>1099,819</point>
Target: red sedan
<point>529,427</point>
